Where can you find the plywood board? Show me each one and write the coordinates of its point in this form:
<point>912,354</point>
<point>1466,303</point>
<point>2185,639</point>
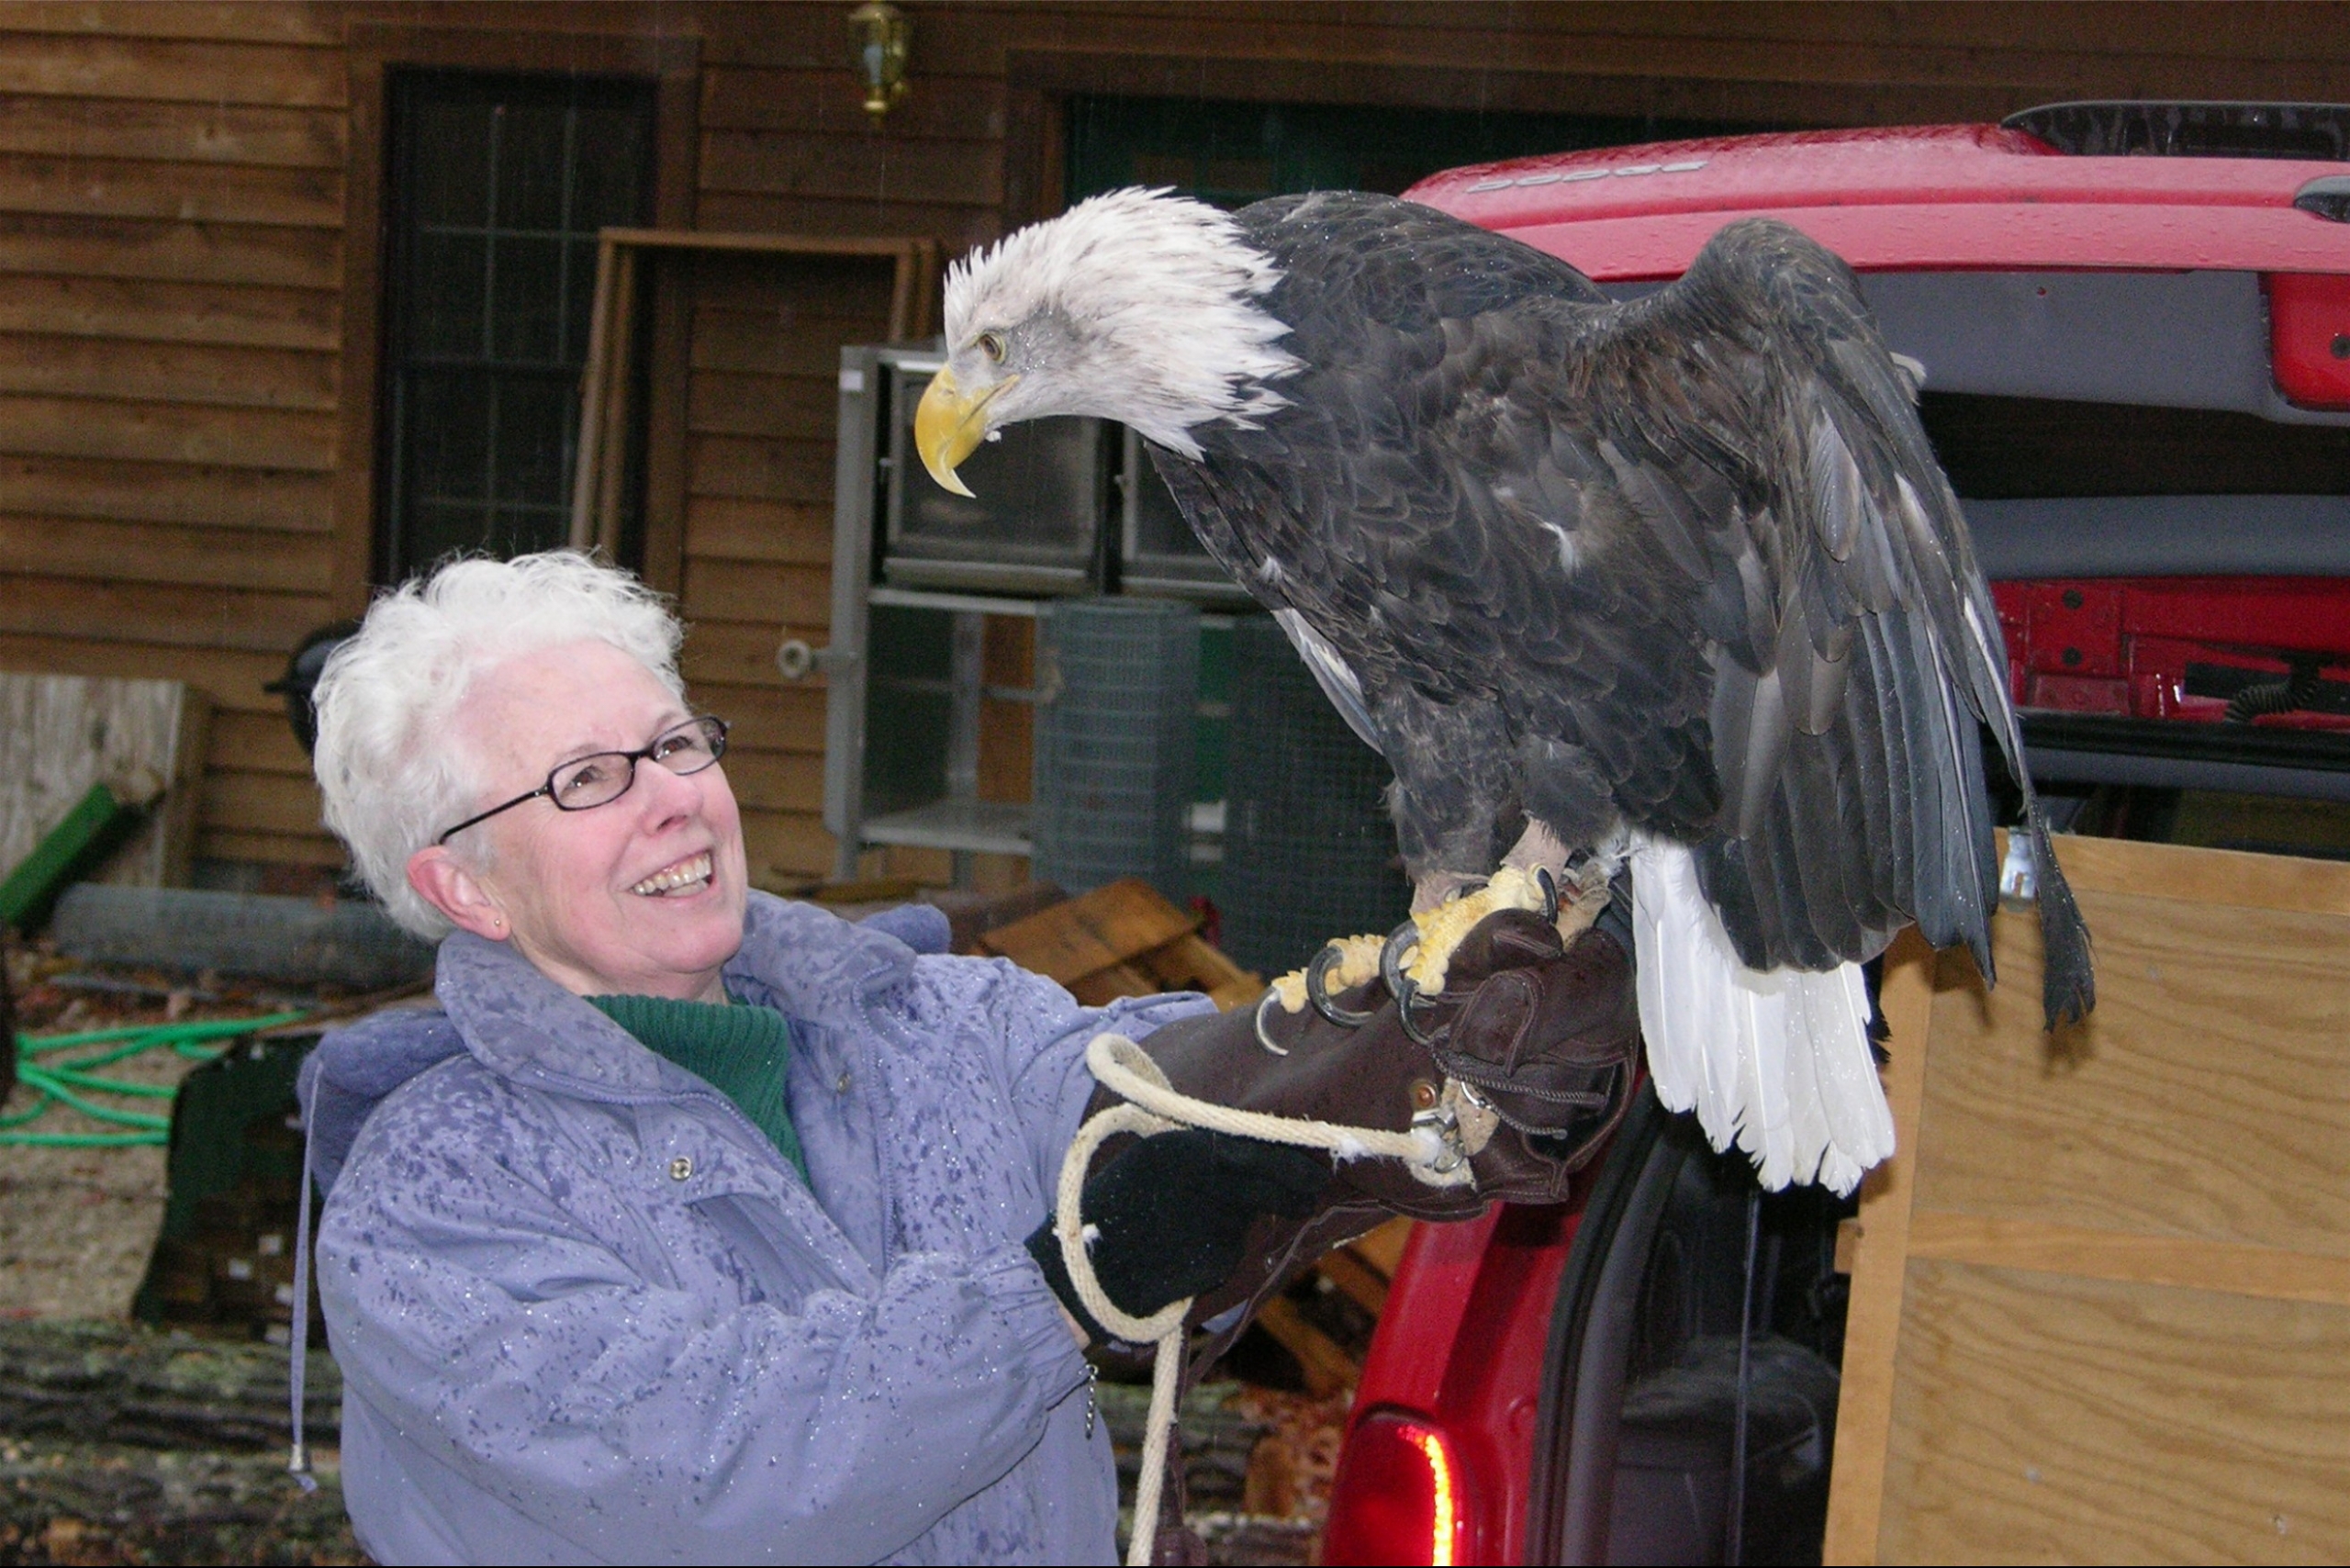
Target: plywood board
<point>1873,1321</point>
<point>2208,1096</point>
<point>2101,1295</point>
<point>2044,1418</point>
<point>61,734</point>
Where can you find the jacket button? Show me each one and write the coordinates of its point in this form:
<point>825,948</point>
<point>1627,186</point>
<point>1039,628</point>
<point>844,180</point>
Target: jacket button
<point>680,1168</point>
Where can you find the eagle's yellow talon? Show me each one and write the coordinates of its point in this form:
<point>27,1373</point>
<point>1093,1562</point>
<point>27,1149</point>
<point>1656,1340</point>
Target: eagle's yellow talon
<point>1357,961</point>
<point>1291,991</point>
<point>1443,928</point>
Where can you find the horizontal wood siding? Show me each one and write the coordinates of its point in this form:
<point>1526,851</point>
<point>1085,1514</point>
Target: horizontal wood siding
<point>173,405</point>
<point>171,248</point>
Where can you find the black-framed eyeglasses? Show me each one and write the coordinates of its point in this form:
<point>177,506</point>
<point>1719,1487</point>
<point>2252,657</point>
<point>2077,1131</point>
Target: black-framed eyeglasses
<point>602,777</point>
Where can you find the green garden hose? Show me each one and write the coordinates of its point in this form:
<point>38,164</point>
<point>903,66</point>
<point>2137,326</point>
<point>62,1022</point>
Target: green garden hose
<point>70,1083</point>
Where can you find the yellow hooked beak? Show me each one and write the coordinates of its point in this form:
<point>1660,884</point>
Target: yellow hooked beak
<point>949,426</point>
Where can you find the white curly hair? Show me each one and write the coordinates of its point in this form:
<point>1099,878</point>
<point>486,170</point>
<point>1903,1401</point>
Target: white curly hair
<point>387,759</point>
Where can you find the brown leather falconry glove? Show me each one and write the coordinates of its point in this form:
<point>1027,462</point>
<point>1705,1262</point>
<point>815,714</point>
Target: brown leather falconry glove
<point>1524,1063</point>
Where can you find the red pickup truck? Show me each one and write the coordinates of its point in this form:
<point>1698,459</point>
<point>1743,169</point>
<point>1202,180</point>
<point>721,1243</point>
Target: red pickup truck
<point>2134,325</point>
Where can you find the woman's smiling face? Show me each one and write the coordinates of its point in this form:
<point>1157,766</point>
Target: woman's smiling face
<point>642,895</point>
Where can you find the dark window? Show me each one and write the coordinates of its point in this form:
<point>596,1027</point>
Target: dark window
<point>1998,447</point>
<point>1232,153</point>
<point>498,187</point>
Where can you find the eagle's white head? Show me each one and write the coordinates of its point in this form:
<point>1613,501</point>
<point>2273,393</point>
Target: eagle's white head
<point>1138,306</point>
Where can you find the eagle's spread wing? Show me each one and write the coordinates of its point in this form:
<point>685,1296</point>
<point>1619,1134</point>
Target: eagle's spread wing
<point>1852,654</point>
<point>1855,646</point>
<point>1692,553</point>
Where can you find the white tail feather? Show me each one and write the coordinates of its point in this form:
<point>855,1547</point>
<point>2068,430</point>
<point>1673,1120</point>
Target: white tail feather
<point>1778,1063</point>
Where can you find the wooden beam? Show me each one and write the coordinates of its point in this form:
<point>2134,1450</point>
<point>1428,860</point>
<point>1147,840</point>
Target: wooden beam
<point>612,462</point>
<point>1327,1368</point>
<point>362,327</point>
<point>677,195</point>
<point>1115,983</point>
<point>2225,877</point>
<point>1873,1326</point>
<point>1110,925</point>
<point>586,476</point>
<point>767,244</point>
<point>1366,1286</point>
<point>1383,1248</point>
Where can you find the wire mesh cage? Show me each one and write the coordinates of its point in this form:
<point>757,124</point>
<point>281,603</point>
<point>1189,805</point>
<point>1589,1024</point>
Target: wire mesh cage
<point>1118,686</point>
<point>1309,853</point>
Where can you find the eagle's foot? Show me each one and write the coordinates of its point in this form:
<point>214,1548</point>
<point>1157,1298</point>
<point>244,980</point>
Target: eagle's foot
<point>1583,896</point>
<point>1344,963</point>
<point>1348,962</point>
<point>1290,991</point>
<point>1401,943</point>
<point>1439,931</point>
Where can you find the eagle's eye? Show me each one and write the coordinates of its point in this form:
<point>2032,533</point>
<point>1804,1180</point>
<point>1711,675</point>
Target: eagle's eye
<point>991,344</point>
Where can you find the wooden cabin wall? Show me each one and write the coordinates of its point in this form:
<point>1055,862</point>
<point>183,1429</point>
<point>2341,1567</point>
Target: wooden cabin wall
<point>177,409</point>
<point>171,250</point>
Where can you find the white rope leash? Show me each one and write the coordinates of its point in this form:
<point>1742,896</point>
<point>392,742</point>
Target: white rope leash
<point>1156,1106</point>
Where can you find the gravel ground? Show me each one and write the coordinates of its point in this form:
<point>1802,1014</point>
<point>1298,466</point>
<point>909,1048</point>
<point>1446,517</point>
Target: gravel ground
<point>110,1503</point>
<point>77,1227</point>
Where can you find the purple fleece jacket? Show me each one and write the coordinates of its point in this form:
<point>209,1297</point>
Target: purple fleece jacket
<point>586,1312</point>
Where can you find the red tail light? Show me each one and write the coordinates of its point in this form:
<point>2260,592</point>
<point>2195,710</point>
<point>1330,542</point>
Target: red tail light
<point>1398,1496</point>
<point>2309,327</point>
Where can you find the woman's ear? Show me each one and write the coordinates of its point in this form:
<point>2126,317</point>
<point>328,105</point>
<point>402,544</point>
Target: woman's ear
<point>442,881</point>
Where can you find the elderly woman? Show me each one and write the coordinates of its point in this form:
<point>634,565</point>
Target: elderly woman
<point>689,1226</point>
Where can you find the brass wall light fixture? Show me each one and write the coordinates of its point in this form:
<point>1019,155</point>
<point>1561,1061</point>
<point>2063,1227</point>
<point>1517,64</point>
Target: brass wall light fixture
<point>879,34</point>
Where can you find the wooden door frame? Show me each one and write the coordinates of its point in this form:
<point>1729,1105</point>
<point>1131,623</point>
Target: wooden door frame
<point>374,49</point>
<point>604,391</point>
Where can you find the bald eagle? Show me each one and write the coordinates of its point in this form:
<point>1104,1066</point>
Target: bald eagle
<point>1674,583</point>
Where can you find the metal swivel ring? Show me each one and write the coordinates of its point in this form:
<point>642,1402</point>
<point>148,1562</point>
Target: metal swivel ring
<point>1317,990</point>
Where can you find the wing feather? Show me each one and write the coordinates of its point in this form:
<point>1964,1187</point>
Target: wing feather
<point>1338,683</point>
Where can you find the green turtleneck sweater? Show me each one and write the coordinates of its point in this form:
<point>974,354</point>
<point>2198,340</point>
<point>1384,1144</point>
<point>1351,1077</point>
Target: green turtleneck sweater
<point>740,1050</point>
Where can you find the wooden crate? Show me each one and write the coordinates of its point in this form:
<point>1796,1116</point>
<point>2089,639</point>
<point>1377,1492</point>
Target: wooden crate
<point>2102,1297</point>
<point>1124,939</point>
